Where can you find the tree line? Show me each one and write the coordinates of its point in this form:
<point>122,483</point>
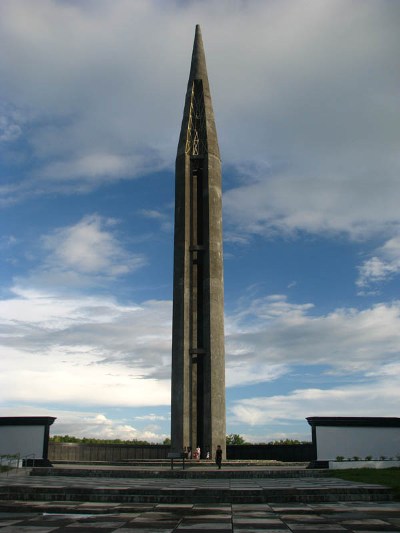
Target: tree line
<point>231,439</point>
<point>235,439</point>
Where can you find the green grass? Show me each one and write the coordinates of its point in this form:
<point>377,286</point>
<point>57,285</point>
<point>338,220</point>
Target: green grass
<point>385,476</point>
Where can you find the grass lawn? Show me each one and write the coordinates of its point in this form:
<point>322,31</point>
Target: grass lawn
<point>386,476</point>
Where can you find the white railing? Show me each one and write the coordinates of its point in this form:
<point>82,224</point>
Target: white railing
<point>14,460</point>
<point>10,460</point>
<point>25,460</point>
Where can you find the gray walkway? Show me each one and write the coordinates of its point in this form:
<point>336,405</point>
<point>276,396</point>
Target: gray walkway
<point>160,482</point>
<point>111,515</point>
<point>186,490</point>
<point>340,517</point>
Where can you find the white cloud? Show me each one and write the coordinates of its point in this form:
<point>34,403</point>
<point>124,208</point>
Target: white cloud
<point>7,241</point>
<point>305,92</point>
<point>82,255</point>
<point>357,348</point>
<point>87,424</point>
<point>271,333</point>
<point>321,116</point>
<point>286,203</point>
<point>151,417</point>
<point>90,166</point>
<point>164,219</point>
<point>90,342</point>
<point>76,376</point>
<point>91,424</point>
<point>305,95</point>
<point>70,349</point>
<point>244,370</point>
<point>261,435</point>
<point>88,248</point>
<point>11,123</point>
<point>83,172</point>
<point>93,105</point>
<point>382,266</point>
<point>91,351</point>
<point>379,398</point>
<point>8,132</point>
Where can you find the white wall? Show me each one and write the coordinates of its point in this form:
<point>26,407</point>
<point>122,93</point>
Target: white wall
<point>24,440</point>
<point>357,441</point>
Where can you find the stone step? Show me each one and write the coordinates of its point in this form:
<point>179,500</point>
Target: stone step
<point>178,473</point>
<point>178,489</point>
<point>193,494</point>
<point>203,464</point>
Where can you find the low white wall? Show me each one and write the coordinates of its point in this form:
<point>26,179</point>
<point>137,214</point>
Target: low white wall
<point>334,441</point>
<point>24,440</point>
<point>345,465</point>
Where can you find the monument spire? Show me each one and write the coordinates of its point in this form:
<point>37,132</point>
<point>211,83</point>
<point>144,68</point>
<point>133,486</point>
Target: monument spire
<point>198,69</point>
<point>198,353</point>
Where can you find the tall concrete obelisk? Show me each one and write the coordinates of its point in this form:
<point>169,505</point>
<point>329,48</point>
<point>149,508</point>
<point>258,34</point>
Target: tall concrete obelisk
<point>198,352</point>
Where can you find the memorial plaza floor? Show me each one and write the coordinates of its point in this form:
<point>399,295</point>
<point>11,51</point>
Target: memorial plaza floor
<point>54,505</point>
<point>162,518</point>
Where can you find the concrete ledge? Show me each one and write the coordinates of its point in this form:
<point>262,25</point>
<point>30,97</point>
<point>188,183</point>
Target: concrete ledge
<point>344,465</point>
<point>188,473</point>
<point>178,490</point>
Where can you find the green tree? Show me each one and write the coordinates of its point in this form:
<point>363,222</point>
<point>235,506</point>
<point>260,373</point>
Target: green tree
<point>167,441</point>
<point>234,438</point>
<point>92,440</point>
<point>288,441</point>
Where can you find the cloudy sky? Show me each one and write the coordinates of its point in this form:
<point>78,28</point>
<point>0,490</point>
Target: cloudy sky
<point>306,99</point>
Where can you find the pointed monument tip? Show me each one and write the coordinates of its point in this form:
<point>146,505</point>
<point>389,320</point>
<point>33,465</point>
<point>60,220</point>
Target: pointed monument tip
<point>198,66</point>
<point>198,83</point>
<point>197,36</point>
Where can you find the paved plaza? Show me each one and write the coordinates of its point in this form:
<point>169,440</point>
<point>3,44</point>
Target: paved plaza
<point>114,514</point>
<point>176,483</point>
<point>177,490</point>
<point>350,516</point>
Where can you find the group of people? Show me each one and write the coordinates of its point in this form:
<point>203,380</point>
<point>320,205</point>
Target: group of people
<point>197,454</point>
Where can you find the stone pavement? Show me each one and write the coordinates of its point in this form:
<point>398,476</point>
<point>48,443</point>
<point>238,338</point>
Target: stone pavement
<point>181,490</point>
<point>241,518</point>
<point>70,503</point>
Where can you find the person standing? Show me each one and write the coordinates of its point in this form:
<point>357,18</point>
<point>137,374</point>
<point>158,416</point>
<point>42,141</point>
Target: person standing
<point>218,456</point>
